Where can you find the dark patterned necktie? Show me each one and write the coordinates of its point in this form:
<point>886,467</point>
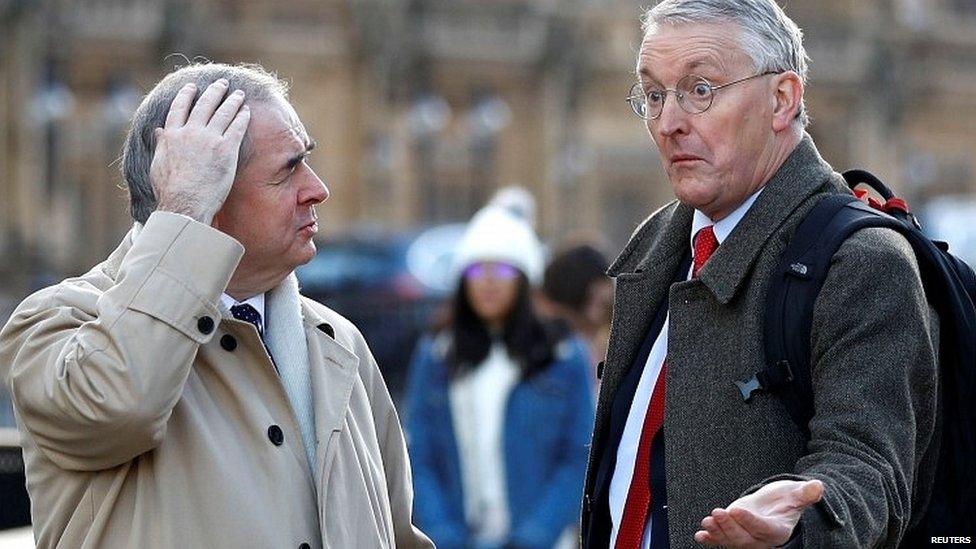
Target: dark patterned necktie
<point>249,314</point>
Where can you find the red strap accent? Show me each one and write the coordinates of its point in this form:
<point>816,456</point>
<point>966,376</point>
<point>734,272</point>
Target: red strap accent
<point>896,204</point>
<point>863,196</point>
<point>893,203</point>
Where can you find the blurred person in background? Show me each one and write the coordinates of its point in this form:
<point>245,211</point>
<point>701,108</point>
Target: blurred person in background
<point>499,403</point>
<point>576,289</point>
<point>183,393</point>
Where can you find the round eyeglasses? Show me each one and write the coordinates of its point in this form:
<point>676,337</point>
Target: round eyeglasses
<point>694,95</point>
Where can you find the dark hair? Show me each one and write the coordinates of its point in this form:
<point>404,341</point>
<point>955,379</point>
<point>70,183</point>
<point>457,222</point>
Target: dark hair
<point>529,340</point>
<point>570,273</point>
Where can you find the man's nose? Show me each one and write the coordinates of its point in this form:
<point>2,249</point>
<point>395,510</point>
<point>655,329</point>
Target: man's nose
<point>673,118</point>
<point>314,190</point>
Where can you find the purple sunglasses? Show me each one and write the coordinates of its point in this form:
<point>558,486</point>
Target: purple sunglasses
<point>482,269</point>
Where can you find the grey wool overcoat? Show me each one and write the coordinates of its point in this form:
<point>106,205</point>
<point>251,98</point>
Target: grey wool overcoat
<point>873,367</point>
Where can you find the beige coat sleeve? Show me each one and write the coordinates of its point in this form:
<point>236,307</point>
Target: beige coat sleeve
<point>96,371</point>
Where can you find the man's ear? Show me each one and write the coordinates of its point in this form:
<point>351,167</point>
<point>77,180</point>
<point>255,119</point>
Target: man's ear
<point>788,97</point>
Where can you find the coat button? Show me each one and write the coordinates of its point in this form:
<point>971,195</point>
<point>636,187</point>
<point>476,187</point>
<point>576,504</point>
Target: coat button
<point>205,324</point>
<point>304,546</point>
<point>228,342</point>
<point>275,435</point>
<point>327,329</point>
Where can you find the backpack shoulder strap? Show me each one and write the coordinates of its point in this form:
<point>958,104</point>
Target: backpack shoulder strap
<point>791,297</point>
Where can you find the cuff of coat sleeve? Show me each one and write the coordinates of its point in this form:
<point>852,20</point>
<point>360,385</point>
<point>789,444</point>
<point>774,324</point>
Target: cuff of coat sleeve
<point>190,265</point>
<point>825,506</point>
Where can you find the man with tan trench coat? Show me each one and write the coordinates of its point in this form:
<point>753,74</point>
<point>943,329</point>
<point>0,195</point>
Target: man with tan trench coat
<point>182,393</point>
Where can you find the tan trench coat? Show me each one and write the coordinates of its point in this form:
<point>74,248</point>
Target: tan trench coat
<point>142,426</point>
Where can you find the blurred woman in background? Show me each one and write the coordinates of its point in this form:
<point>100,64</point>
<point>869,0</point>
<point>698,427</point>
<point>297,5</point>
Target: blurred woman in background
<point>498,403</point>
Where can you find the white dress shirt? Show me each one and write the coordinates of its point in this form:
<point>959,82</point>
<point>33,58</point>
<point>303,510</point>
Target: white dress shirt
<point>627,451</point>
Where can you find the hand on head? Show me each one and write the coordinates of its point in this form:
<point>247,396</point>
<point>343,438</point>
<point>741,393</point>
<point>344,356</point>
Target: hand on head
<point>195,161</point>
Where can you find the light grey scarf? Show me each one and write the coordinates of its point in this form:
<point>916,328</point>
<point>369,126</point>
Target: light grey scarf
<point>284,334</point>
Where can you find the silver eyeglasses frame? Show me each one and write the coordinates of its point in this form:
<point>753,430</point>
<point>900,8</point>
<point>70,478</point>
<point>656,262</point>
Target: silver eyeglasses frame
<point>638,99</point>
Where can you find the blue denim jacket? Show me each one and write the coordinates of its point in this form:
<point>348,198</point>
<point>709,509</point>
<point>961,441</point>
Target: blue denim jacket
<point>548,421</point>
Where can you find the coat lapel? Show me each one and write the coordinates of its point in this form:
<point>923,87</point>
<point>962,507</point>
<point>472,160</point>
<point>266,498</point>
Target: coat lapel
<point>797,179</point>
<point>334,370</point>
<point>640,288</point>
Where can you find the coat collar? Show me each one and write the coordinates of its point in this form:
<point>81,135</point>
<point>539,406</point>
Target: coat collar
<point>641,289</point>
<point>803,172</point>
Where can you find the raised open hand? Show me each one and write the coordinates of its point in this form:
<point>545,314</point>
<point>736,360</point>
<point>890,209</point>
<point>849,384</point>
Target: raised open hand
<point>764,518</point>
<point>195,161</point>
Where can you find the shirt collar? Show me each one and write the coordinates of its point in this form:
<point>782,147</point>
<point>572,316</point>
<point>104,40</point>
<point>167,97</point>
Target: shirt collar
<point>256,301</point>
<point>724,227</point>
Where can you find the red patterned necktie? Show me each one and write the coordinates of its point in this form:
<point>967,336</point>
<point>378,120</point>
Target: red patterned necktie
<point>638,503</point>
<point>705,245</point>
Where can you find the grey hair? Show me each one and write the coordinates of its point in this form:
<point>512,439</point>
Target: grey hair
<point>140,143</point>
<point>769,37</point>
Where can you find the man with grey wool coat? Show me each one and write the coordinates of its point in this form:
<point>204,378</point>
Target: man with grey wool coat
<point>678,457</point>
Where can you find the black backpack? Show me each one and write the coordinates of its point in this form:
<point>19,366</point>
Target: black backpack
<point>950,287</point>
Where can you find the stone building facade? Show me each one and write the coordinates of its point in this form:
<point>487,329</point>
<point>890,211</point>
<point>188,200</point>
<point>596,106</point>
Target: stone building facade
<point>421,108</point>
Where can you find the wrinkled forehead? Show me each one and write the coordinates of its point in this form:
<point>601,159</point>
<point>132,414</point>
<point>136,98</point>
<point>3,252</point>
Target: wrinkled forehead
<point>295,132</point>
<point>691,48</point>
<point>277,121</point>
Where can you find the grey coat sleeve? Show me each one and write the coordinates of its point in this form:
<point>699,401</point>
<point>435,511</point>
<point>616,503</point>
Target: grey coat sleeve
<point>873,364</point>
